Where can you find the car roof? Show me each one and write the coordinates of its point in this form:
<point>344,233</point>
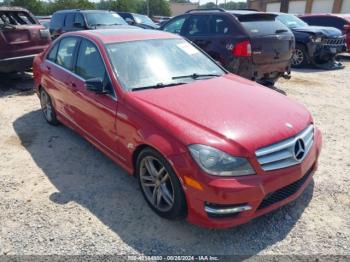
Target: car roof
<point>123,34</point>
<point>83,11</point>
<point>327,14</point>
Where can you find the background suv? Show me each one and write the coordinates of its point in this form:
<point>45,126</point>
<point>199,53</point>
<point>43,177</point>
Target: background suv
<point>339,21</point>
<point>21,38</point>
<point>315,45</point>
<point>76,20</point>
<point>251,44</point>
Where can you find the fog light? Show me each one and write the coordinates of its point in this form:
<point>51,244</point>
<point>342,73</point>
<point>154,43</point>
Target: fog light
<point>217,210</point>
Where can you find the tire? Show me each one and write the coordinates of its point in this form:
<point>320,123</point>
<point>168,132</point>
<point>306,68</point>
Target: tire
<point>268,82</point>
<point>166,198</point>
<point>300,57</point>
<point>47,108</point>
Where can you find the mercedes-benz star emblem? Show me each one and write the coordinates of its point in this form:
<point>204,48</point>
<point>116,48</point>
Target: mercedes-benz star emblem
<point>299,149</point>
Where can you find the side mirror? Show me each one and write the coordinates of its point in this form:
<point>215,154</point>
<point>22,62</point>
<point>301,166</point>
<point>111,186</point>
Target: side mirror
<point>129,21</point>
<point>95,85</point>
<point>78,25</point>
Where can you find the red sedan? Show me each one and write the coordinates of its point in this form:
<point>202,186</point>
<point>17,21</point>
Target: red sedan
<point>204,144</point>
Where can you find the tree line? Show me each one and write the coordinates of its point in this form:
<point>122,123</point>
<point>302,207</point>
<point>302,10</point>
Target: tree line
<point>154,7</point>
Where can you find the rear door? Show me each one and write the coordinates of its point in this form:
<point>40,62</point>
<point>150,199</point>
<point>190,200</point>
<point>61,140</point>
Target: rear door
<point>271,41</point>
<point>57,69</point>
<point>21,35</point>
<point>197,30</point>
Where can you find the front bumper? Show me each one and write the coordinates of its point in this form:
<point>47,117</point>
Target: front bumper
<point>262,193</point>
<point>321,53</point>
<point>245,67</point>
<point>16,64</point>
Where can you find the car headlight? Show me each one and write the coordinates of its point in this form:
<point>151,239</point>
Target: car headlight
<point>218,163</point>
<point>316,39</point>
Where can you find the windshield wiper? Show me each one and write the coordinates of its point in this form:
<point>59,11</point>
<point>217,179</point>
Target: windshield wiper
<point>194,76</point>
<point>159,85</point>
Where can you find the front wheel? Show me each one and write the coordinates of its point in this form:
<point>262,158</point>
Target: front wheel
<point>160,185</point>
<point>300,57</point>
<point>47,108</point>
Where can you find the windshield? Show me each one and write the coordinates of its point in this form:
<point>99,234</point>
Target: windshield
<point>291,21</point>
<point>159,62</point>
<point>104,18</point>
<point>143,19</point>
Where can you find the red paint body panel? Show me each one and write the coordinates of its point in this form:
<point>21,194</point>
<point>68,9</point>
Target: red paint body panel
<point>230,113</point>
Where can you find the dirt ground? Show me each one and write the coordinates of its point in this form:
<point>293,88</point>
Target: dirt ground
<point>59,195</point>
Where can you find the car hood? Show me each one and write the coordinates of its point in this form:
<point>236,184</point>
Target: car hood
<point>319,30</point>
<point>227,109</point>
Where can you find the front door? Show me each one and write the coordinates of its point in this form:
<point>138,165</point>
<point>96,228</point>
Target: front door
<point>95,113</point>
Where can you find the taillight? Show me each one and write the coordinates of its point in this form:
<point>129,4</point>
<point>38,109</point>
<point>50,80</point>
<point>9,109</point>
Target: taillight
<point>243,48</point>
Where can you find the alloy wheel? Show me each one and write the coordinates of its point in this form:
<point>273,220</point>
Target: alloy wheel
<point>156,184</point>
<point>46,106</point>
<point>298,57</point>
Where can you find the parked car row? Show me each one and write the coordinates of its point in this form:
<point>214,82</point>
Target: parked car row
<point>258,46</point>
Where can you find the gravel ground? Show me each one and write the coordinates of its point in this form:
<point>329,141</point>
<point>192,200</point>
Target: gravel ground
<point>59,195</point>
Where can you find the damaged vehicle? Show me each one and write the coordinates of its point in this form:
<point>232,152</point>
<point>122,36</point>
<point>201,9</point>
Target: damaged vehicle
<point>315,45</point>
<point>251,44</point>
<point>21,39</point>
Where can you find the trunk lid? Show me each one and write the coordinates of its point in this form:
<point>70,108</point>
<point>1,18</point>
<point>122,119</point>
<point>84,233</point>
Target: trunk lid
<point>271,41</point>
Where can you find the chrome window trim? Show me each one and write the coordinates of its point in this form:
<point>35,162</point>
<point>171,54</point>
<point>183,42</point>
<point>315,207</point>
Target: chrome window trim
<point>114,95</point>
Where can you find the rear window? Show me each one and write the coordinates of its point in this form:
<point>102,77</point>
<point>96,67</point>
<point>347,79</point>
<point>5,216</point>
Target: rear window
<point>260,25</point>
<point>16,18</point>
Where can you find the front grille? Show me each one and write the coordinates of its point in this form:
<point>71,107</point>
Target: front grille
<point>333,41</point>
<point>284,192</point>
<point>285,153</point>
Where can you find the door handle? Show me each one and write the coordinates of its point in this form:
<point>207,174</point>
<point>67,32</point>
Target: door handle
<point>48,68</point>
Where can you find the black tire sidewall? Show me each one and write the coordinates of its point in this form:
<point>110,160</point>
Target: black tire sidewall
<point>179,209</point>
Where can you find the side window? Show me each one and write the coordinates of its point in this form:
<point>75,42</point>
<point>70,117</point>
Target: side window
<point>175,26</point>
<point>65,52</point>
<point>57,21</point>
<point>69,20</point>
<point>79,19</point>
<point>197,25</point>
<point>89,63</point>
<point>220,25</point>
<point>53,53</point>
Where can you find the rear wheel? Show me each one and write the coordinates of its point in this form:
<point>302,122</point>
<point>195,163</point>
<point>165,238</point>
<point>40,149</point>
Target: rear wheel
<point>47,108</point>
<point>268,82</point>
<point>160,185</point>
<point>300,57</point>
